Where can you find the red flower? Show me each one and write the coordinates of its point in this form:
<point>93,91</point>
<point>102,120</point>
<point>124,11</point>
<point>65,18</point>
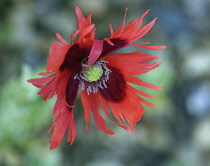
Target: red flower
<point>102,78</point>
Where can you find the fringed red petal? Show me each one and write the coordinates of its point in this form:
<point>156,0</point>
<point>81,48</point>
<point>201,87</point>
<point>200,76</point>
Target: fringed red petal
<point>59,104</point>
<point>132,32</point>
<point>120,29</point>
<point>64,122</point>
<point>86,107</point>
<point>141,93</point>
<point>85,32</point>
<point>48,91</point>
<point>85,27</point>
<point>60,90</point>
<point>41,81</point>
<point>71,129</point>
<point>105,108</point>
<point>100,122</point>
<point>82,20</point>
<point>137,81</point>
<point>128,112</point>
<point>132,63</point>
<point>142,31</point>
<point>91,102</point>
<point>134,26</point>
<point>57,56</point>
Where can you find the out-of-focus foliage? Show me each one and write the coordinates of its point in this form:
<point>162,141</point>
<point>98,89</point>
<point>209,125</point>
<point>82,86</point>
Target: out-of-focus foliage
<point>24,124</point>
<point>176,133</point>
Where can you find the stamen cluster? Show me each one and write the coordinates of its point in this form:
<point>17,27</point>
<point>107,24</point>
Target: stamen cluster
<point>93,85</point>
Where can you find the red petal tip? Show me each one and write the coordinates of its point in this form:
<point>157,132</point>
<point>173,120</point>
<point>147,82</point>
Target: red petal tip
<point>163,47</point>
<point>52,146</point>
<point>86,129</point>
<point>77,8</point>
<point>61,39</point>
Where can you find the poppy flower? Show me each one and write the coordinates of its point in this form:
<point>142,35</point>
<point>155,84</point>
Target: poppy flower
<point>87,65</point>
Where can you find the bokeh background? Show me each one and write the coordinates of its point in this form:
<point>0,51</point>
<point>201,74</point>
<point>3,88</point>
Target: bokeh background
<point>176,133</point>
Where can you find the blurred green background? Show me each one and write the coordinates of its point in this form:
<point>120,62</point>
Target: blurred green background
<point>176,133</point>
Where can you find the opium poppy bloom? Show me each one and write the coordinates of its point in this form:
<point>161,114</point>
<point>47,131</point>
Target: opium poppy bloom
<point>87,65</point>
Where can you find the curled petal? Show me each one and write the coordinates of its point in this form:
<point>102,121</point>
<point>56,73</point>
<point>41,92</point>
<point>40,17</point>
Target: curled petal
<point>95,52</point>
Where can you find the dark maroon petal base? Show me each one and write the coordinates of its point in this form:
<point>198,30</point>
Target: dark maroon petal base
<point>74,57</point>
<point>116,86</point>
<point>118,43</point>
<point>71,90</point>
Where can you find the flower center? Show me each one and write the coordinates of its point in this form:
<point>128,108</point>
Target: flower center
<point>94,77</point>
<point>93,73</point>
